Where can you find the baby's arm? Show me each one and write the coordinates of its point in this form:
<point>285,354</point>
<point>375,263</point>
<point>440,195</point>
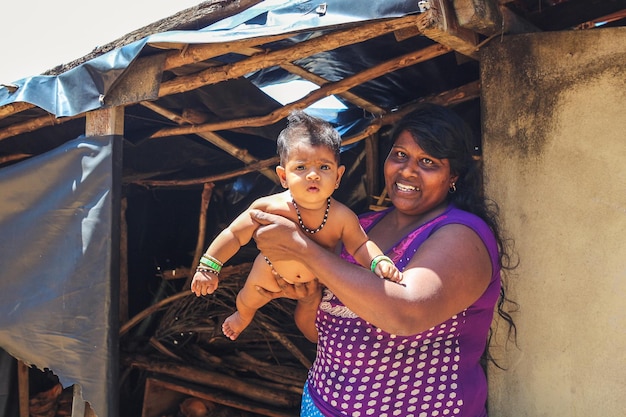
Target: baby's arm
<point>366,252</point>
<point>223,247</point>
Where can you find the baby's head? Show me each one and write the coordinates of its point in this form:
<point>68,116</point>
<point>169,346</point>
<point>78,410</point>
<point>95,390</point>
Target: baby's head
<point>303,128</point>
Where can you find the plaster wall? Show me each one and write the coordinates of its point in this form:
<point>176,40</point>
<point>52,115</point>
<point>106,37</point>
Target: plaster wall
<point>554,126</point>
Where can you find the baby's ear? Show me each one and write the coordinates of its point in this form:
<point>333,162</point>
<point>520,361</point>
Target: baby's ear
<point>341,169</point>
<point>280,171</point>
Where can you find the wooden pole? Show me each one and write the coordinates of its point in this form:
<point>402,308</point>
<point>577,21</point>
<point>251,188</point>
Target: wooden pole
<point>23,387</point>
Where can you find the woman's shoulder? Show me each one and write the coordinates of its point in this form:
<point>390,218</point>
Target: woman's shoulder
<point>456,215</point>
<point>472,221</point>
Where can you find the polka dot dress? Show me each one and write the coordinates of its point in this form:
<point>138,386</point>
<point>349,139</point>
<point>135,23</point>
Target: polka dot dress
<point>361,370</point>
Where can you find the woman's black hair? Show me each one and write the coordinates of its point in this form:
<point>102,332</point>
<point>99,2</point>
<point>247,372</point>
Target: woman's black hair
<point>443,134</point>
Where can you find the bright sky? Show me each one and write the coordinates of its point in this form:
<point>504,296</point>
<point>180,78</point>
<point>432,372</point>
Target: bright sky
<point>37,35</point>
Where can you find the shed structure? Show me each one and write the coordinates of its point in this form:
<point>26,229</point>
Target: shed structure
<point>116,170</point>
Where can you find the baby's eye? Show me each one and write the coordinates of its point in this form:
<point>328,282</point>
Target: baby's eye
<point>299,167</point>
<point>325,167</point>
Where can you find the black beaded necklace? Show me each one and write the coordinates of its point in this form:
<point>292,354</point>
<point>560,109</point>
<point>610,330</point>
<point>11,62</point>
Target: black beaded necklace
<point>306,229</point>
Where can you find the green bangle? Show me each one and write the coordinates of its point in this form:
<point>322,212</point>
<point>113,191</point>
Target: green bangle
<point>213,265</point>
<point>377,259</point>
<point>211,258</point>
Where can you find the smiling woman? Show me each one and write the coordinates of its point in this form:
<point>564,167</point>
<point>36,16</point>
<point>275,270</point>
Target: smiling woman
<point>433,327</point>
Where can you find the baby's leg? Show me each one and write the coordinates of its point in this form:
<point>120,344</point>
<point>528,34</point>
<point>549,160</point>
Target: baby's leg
<point>249,300</point>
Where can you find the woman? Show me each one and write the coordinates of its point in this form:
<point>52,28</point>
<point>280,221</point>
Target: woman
<point>409,349</point>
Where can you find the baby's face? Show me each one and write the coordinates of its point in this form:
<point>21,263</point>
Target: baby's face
<point>312,174</point>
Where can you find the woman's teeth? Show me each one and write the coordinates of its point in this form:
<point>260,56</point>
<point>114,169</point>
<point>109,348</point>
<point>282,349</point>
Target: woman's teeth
<point>403,187</point>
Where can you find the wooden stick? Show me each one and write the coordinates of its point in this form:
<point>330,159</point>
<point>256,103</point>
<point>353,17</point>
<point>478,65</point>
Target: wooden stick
<point>301,50</point>
<point>207,191</point>
<point>225,399</point>
<point>227,272</point>
<point>23,388</point>
<point>287,344</point>
<point>240,386</point>
<point>213,178</point>
<point>391,65</point>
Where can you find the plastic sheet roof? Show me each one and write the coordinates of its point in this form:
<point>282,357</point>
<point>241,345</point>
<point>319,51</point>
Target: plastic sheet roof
<point>55,105</point>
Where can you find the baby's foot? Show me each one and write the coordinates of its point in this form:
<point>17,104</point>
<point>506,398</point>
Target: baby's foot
<point>234,325</point>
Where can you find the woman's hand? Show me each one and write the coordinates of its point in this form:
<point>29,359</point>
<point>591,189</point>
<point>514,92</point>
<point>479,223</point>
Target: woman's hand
<point>278,238</point>
<point>305,292</point>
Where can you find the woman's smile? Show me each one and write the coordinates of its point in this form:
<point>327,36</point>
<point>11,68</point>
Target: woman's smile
<point>406,188</point>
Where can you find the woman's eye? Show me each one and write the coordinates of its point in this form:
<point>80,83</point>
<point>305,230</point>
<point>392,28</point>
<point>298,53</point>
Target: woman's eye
<point>400,154</point>
<point>427,161</point>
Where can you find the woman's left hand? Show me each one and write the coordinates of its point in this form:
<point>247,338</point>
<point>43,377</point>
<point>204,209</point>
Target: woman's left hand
<point>277,237</point>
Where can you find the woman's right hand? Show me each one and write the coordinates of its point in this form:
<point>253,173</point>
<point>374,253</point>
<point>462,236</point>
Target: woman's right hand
<point>279,238</point>
<point>305,292</point>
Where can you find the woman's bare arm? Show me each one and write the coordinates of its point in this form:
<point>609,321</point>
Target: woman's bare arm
<point>449,272</point>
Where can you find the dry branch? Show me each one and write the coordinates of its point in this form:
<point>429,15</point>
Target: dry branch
<point>240,386</point>
<point>220,397</point>
<point>213,178</point>
<point>391,65</point>
<point>207,191</point>
<point>301,50</point>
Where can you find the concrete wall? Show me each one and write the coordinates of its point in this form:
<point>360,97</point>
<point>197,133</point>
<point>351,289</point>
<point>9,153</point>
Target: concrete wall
<point>554,120</point>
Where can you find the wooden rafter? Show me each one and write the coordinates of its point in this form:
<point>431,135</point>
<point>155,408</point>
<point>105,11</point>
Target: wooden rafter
<point>316,79</point>
<point>455,96</point>
<point>230,71</point>
<point>303,49</point>
<point>241,154</point>
<point>338,87</point>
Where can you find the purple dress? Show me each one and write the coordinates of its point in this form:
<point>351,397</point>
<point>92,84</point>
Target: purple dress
<point>361,370</point>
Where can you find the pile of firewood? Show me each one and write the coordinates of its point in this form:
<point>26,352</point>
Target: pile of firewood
<point>262,371</point>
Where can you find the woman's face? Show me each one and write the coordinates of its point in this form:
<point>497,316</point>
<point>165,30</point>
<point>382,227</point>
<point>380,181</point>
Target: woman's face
<point>416,182</point>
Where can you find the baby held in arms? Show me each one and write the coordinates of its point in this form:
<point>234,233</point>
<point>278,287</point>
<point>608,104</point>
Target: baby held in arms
<point>310,171</point>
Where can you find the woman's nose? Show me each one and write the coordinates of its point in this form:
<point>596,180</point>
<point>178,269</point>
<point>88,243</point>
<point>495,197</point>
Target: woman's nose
<point>408,170</point>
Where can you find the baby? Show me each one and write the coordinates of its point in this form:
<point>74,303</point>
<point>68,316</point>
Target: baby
<point>309,169</point>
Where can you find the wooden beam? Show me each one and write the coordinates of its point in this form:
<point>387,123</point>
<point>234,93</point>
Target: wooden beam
<point>230,71</point>
<point>488,18</point>
<point>212,178</point>
<point>109,121</point>
<point>301,50</point>
<point>123,307</point>
<point>482,16</point>
<point>34,124</point>
<point>440,24</point>
<point>455,96</point>
<point>214,138</point>
<point>338,87</point>
<point>191,54</point>
<point>316,79</point>
<point>23,388</point>
<point>14,108</point>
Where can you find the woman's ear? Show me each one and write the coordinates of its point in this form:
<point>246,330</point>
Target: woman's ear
<point>282,176</point>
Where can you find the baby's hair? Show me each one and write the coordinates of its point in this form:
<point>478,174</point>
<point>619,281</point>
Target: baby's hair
<point>302,127</point>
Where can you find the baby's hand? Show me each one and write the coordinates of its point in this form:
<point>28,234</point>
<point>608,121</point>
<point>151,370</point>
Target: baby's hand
<point>204,283</point>
<point>387,270</point>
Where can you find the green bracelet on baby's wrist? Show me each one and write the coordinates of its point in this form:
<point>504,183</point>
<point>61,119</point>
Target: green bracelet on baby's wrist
<point>378,259</point>
<point>211,263</point>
